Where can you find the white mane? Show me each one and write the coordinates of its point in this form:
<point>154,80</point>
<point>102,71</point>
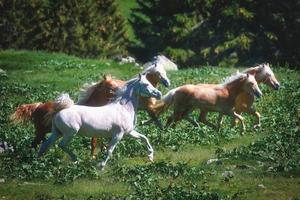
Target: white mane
<point>86,91</point>
<point>233,78</point>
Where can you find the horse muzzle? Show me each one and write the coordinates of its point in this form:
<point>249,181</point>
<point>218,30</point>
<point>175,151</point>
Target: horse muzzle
<point>276,86</point>
<point>257,94</point>
<point>165,82</point>
<point>157,94</point>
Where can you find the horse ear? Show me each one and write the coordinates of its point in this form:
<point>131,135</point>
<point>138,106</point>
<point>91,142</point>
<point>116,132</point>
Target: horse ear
<point>104,76</point>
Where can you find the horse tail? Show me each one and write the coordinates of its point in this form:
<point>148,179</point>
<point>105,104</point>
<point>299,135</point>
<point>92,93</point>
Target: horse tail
<point>165,102</point>
<point>63,101</point>
<point>24,112</point>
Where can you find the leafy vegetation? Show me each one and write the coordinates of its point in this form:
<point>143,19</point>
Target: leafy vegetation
<point>214,32</point>
<point>83,28</point>
<point>265,162</point>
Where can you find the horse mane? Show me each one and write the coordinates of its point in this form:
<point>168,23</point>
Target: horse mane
<point>121,91</point>
<point>234,77</point>
<point>257,67</point>
<point>86,91</point>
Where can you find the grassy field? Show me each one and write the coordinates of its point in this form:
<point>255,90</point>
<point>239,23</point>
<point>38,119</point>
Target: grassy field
<point>265,162</point>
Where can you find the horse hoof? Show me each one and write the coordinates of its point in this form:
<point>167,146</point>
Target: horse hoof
<point>256,126</point>
<point>101,166</point>
<point>151,158</point>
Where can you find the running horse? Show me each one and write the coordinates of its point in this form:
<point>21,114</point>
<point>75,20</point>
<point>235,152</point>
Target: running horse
<point>95,94</point>
<point>243,103</point>
<point>209,98</point>
<point>113,120</point>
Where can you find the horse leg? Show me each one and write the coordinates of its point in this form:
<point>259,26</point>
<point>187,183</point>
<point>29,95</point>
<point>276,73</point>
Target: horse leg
<point>192,121</point>
<point>46,144</point>
<point>138,135</point>
<point>220,121</point>
<point>93,147</point>
<point>169,121</point>
<point>235,121</point>
<point>113,143</point>
<point>202,118</point>
<point>155,119</point>
<point>64,145</point>
<point>253,112</point>
<point>241,119</point>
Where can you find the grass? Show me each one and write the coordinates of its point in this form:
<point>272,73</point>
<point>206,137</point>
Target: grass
<point>39,76</point>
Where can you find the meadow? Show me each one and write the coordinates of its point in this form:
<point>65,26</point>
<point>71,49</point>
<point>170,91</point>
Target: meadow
<point>262,164</point>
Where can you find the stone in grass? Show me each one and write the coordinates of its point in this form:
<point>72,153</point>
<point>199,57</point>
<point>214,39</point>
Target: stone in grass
<point>227,175</point>
<point>214,160</point>
<point>261,186</point>
<point>2,180</point>
<point>3,73</point>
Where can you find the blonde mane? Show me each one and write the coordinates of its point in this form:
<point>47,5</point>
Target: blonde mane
<point>238,75</point>
<point>257,68</point>
<point>86,91</point>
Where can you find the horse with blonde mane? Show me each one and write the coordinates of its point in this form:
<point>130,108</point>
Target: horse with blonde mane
<point>113,120</point>
<point>243,103</point>
<point>95,94</point>
<point>209,98</point>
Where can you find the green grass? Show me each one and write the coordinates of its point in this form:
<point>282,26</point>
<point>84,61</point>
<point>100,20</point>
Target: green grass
<point>40,76</point>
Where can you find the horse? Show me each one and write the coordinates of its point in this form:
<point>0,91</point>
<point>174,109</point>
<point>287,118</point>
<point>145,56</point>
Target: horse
<point>155,73</point>
<point>95,94</point>
<point>209,98</point>
<point>113,120</point>
<point>244,101</point>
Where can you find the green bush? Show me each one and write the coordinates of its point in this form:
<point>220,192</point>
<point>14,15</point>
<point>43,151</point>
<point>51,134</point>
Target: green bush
<point>86,28</point>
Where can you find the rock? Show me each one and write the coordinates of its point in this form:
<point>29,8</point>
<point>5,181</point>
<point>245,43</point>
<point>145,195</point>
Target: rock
<point>227,175</point>
<point>261,186</point>
<point>4,147</point>
<point>2,180</point>
<point>3,73</point>
<point>212,161</point>
<point>125,60</point>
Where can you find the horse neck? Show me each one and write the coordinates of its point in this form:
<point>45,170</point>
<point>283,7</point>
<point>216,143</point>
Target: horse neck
<point>130,102</point>
<point>234,89</point>
<point>152,79</point>
<point>255,71</point>
<point>97,98</point>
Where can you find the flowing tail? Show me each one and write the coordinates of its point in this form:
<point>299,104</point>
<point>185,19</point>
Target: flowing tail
<point>24,112</point>
<point>163,104</point>
<point>63,101</point>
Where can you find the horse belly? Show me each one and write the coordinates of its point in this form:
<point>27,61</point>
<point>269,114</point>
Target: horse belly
<point>96,128</point>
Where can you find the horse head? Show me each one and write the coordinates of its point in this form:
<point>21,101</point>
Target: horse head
<point>250,85</point>
<point>156,73</point>
<point>146,89</point>
<point>266,75</point>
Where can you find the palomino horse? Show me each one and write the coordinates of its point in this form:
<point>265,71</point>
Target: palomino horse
<point>112,120</point>
<point>244,101</point>
<point>96,94</point>
<point>210,98</point>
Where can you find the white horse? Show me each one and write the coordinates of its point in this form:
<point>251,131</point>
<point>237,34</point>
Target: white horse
<point>112,120</point>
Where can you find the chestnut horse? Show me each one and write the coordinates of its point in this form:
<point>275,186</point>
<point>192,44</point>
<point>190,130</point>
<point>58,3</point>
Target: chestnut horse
<point>210,98</point>
<point>96,94</point>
